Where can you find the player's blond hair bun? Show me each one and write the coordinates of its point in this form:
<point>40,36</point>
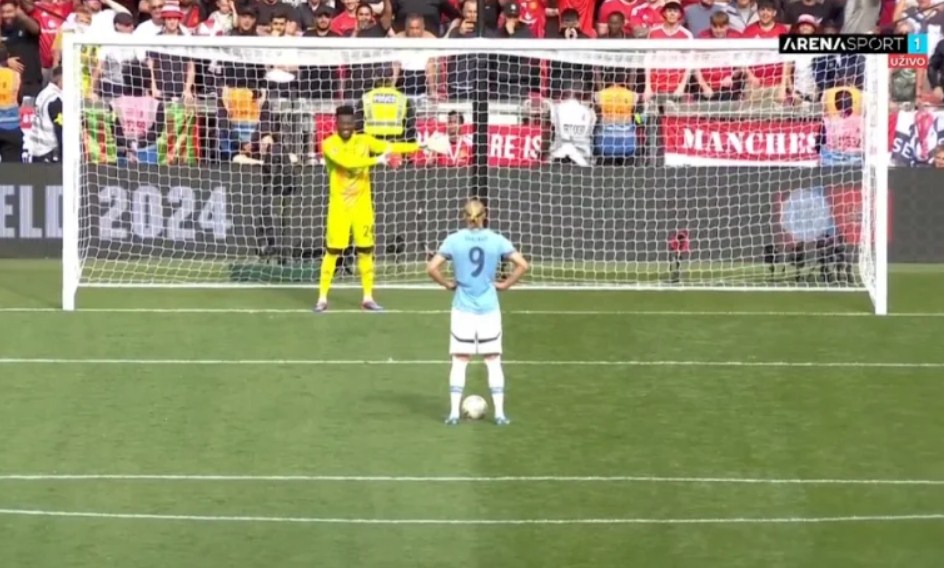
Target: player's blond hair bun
<point>474,211</point>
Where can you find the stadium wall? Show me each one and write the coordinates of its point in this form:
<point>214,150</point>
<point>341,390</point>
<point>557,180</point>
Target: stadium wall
<point>610,205</point>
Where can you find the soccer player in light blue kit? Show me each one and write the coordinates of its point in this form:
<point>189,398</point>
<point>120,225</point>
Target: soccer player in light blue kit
<point>476,327</point>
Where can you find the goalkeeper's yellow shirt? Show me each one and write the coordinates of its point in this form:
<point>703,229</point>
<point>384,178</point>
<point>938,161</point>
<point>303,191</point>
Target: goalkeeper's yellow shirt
<point>349,162</point>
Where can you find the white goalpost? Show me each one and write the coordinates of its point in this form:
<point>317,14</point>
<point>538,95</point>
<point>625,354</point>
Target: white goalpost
<point>743,191</point>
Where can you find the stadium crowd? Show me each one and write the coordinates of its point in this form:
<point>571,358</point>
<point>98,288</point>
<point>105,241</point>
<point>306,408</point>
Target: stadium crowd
<point>159,108</point>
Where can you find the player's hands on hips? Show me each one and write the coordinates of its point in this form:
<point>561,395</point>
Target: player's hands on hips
<point>502,285</point>
<point>451,285</point>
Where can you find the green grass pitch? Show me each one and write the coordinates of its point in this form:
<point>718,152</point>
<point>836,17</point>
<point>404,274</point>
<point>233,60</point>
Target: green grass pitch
<point>681,429</point>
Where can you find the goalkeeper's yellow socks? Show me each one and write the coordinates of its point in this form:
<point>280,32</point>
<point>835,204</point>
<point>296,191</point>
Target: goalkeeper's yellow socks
<point>328,265</point>
<point>496,383</point>
<point>365,265</point>
<point>456,385</point>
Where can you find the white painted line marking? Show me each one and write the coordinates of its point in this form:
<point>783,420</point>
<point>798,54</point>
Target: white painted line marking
<point>420,362</point>
<point>355,521</point>
<point>465,479</point>
<point>655,313</point>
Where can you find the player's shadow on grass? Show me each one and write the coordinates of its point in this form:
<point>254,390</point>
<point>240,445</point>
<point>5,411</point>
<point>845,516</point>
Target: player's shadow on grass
<point>419,404</point>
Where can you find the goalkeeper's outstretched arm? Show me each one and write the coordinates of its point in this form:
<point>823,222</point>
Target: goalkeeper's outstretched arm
<point>382,147</point>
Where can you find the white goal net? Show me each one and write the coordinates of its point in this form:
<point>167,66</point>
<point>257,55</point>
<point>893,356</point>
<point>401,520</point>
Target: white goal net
<point>696,164</point>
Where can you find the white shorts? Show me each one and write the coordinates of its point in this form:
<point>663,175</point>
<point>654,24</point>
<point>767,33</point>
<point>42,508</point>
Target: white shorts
<point>475,334</point>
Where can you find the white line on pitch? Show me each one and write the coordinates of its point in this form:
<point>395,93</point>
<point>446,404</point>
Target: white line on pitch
<point>355,521</point>
<point>466,479</point>
<point>508,312</point>
<point>420,362</point>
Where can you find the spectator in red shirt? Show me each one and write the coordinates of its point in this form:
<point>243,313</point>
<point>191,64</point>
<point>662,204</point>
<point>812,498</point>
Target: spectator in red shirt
<point>194,14</point>
<point>611,7</point>
<point>767,81</point>
<point>668,81</point>
<point>646,15</point>
<point>671,27</point>
<point>50,16</point>
<point>345,22</point>
<point>766,25</point>
<point>720,83</point>
<point>534,15</point>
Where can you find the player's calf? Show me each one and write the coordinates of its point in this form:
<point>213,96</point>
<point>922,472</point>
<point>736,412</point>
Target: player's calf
<point>457,384</point>
<point>496,384</point>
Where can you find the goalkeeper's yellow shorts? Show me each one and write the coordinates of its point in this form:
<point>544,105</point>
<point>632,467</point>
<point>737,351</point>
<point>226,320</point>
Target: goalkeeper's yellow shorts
<point>344,221</point>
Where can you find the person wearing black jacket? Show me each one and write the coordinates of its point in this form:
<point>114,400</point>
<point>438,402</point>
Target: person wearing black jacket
<point>936,71</point>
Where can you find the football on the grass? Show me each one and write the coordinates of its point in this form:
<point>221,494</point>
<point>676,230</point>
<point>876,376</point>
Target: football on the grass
<point>474,407</point>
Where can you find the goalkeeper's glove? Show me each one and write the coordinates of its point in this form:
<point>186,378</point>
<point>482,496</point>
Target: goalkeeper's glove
<point>384,158</point>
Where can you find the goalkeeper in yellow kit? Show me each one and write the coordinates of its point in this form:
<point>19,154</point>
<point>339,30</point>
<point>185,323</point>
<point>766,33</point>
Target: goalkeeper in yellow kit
<point>348,158</point>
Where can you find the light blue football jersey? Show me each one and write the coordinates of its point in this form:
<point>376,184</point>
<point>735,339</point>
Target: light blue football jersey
<point>475,256</point>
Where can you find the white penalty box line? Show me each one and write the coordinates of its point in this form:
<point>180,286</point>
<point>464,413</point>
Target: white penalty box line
<point>936,517</point>
<point>425,362</point>
<point>459,479</point>
<point>521,312</point>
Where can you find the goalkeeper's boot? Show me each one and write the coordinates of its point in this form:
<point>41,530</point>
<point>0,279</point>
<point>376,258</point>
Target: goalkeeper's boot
<point>452,420</point>
<point>320,307</point>
<point>371,306</point>
<point>502,421</point>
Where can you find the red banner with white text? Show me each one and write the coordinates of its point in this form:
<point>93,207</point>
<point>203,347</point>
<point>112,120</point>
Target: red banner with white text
<point>697,141</point>
<point>508,145</point>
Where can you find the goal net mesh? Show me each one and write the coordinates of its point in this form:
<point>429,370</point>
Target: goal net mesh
<point>201,165</point>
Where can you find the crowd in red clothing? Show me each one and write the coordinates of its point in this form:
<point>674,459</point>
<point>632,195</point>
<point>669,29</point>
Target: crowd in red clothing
<point>31,30</point>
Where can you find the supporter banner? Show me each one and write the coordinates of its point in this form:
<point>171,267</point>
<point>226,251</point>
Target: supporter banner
<point>914,135</point>
<point>508,145</point>
<point>751,142</point>
<point>226,212</point>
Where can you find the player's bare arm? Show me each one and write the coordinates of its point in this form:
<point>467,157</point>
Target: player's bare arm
<point>521,267</point>
<point>434,269</point>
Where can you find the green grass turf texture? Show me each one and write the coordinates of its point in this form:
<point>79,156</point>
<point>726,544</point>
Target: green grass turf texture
<point>744,422</point>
